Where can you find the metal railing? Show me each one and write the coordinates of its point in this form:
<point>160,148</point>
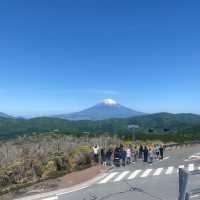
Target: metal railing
<point>183,183</point>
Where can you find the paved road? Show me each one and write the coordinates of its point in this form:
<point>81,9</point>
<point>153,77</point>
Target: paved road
<point>158,181</point>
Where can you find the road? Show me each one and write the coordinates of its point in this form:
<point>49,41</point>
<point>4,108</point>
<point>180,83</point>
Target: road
<point>157,181</point>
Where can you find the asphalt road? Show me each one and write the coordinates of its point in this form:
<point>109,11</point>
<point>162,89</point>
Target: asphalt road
<point>157,181</point>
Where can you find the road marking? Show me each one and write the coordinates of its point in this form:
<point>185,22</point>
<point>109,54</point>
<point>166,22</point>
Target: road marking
<point>169,170</point>
<point>158,172</point>
<point>121,176</point>
<point>191,167</point>
<point>109,177</point>
<point>194,196</point>
<point>146,173</point>
<point>134,174</point>
<point>165,158</point>
<point>51,198</point>
<point>180,167</point>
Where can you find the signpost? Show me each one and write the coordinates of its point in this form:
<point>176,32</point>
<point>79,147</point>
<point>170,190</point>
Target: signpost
<point>132,128</point>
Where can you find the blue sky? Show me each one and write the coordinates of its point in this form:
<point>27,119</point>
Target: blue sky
<point>62,56</point>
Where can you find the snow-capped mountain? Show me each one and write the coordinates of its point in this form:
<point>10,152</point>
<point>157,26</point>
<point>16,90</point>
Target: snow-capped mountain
<point>106,109</point>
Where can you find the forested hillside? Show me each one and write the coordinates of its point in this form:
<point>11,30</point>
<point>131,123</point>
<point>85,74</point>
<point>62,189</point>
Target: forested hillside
<point>160,123</point>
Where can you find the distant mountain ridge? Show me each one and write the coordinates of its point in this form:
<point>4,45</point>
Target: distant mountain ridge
<point>106,109</point>
<point>158,123</point>
<point>5,115</point>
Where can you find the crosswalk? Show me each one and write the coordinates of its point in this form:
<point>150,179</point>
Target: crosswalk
<point>117,176</point>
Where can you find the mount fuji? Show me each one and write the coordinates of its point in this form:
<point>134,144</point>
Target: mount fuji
<point>106,109</point>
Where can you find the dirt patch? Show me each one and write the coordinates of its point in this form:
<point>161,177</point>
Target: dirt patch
<point>75,178</point>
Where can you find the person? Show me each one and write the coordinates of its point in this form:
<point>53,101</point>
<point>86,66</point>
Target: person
<point>128,155</point>
<point>145,153</point>
<point>121,153</point>
<point>157,151</point>
<point>150,156</point>
<point>140,152</point>
<point>123,157</point>
<point>117,157</point>
<point>96,153</point>
<point>103,157</point>
<point>135,154</point>
<point>109,157</point>
<point>161,149</point>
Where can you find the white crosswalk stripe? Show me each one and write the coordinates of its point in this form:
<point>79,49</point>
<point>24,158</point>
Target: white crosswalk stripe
<point>180,167</point>
<point>134,174</point>
<point>158,172</point>
<point>109,177</point>
<point>121,176</point>
<point>51,198</point>
<point>146,173</point>
<point>143,173</point>
<point>169,170</point>
<point>191,167</point>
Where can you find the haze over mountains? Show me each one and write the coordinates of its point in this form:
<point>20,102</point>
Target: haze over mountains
<point>5,115</point>
<point>106,109</point>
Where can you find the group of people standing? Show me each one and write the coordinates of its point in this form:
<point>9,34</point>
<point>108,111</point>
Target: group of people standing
<point>121,156</point>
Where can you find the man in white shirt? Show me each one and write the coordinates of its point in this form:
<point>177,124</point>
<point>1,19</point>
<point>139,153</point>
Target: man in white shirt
<point>96,153</point>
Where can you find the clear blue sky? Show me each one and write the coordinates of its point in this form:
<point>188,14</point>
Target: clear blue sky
<point>65,55</point>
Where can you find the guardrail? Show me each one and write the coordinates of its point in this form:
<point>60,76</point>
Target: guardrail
<point>183,183</point>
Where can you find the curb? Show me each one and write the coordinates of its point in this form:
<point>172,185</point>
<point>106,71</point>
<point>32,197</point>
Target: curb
<point>59,192</point>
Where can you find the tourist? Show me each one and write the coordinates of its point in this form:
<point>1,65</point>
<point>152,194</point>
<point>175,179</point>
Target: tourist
<point>96,153</point>
<point>161,149</point>
<point>103,157</point>
<point>145,154</point>
<point>135,154</point>
<point>150,154</point>
<point>128,155</point>
<point>109,157</point>
<point>140,151</point>
<point>117,157</point>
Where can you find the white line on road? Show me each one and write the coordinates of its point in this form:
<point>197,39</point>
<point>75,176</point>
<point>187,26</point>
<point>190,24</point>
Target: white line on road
<point>110,176</point>
<point>191,167</point>
<point>146,173</point>
<point>51,198</point>
<point>165,158</point>
<point>121,176</point>
<point>180,167</point>
<point>158,172</point>
<point>169,170</point>
<point>134,174</point>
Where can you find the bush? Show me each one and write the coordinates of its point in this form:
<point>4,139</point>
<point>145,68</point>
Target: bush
<point>49,170</point>
<point>4,180</point>
<point>80,158</point>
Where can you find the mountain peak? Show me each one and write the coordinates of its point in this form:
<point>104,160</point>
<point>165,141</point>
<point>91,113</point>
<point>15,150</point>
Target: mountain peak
<point>109,102</point>
<point>106,109</point>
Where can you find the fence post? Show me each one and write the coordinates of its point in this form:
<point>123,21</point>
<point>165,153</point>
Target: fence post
<point>183,180</point>
<point>187,196</point>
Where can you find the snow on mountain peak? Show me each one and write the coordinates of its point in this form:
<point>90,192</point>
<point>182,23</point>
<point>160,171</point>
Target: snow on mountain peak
<point>109,102</point>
